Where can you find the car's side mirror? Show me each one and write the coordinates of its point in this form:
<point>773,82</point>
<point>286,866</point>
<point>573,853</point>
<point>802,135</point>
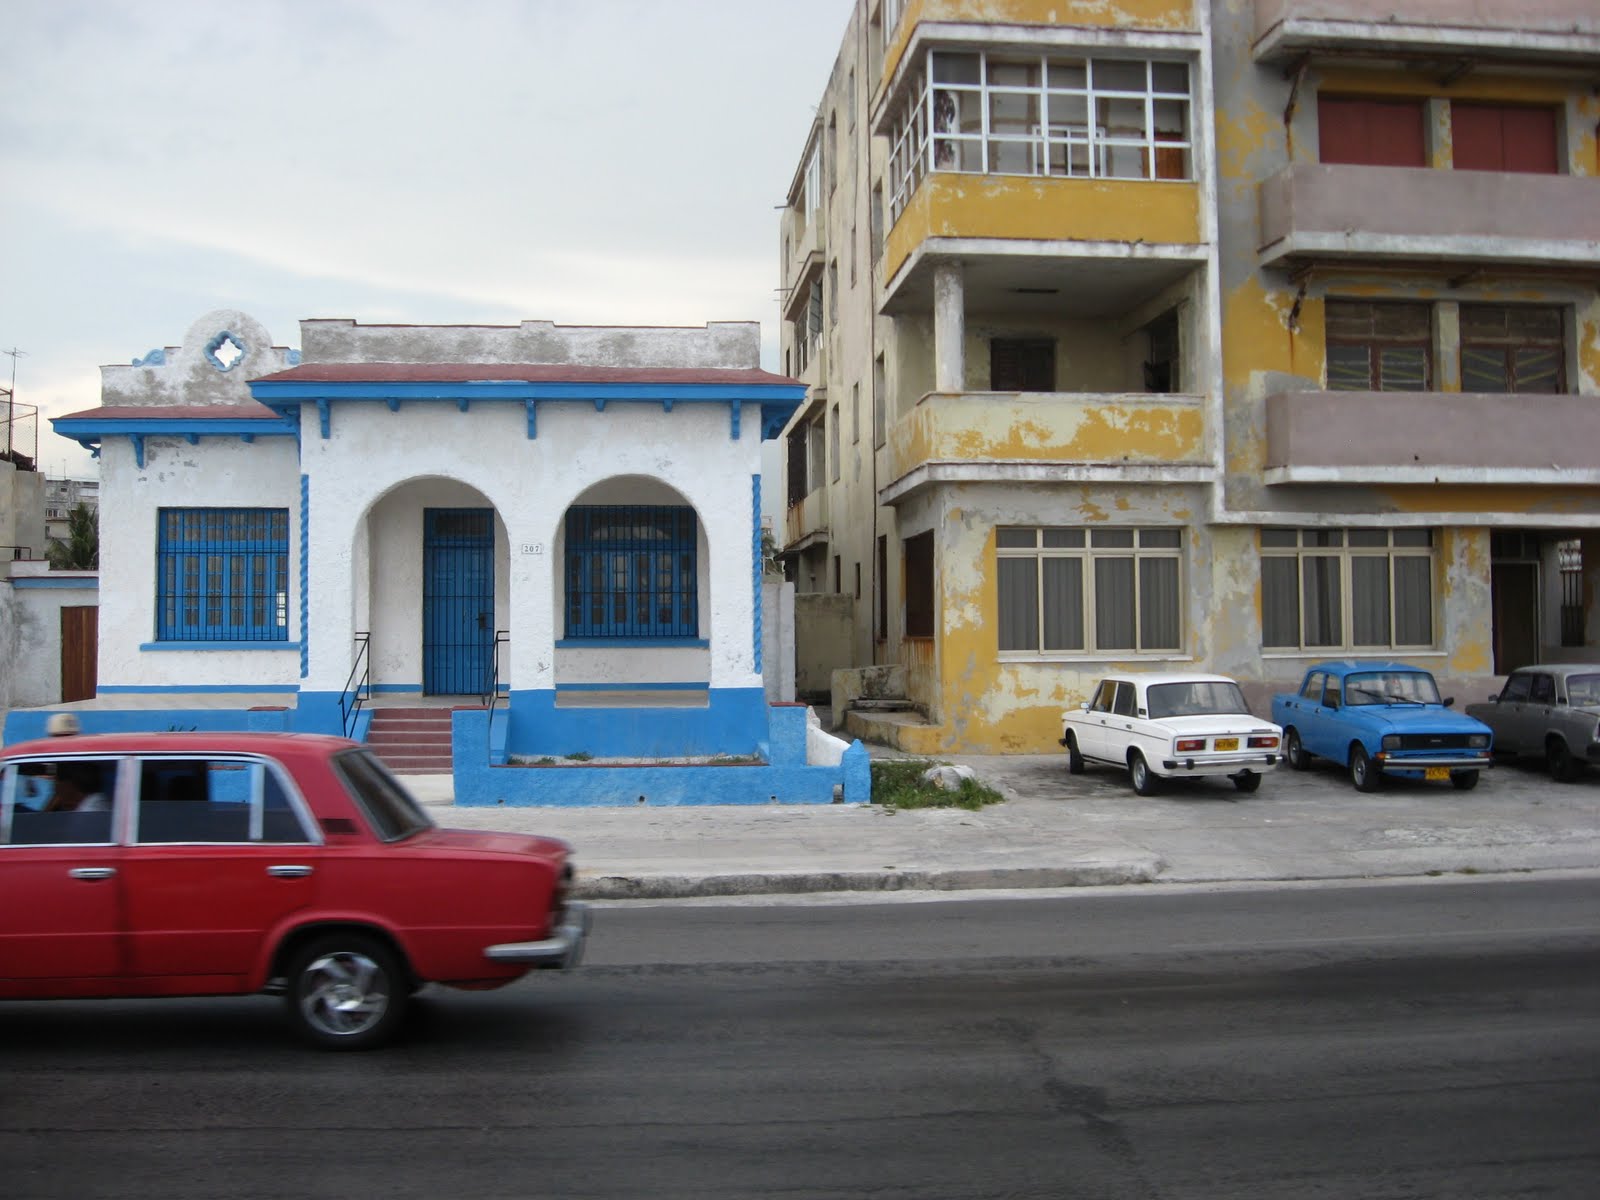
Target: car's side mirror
<point>1084,707</point>
<point>1449,701</point>
<point>1142,713</point>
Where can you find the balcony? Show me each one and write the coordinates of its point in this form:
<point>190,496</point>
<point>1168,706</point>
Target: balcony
<point>1432,437</point>
<point>806,523</point>
<point>1548,31</point>
<point>1319,211</point>
<point>1145,228</point>
<point>1026,437</point>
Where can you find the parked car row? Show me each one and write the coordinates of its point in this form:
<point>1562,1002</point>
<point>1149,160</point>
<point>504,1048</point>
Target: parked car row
<point>1374,719</point>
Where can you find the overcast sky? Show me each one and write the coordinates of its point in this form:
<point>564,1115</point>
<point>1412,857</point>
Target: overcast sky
<point>581,161</point>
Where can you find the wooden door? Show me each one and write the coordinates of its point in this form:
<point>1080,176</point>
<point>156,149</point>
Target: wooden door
<point>80,647</point>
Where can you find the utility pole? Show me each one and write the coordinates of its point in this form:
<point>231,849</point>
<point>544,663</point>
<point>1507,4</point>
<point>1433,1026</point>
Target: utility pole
<point>11,396</point>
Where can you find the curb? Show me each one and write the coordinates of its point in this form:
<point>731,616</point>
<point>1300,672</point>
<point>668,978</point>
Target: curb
<point>763,883</point>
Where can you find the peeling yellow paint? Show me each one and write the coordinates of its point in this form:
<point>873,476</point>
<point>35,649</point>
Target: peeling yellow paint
<point>1242,134</point>
<point>947,204</point>
<point>1589,349</point>
<point>1473,85</point>
<point>1263,331</point>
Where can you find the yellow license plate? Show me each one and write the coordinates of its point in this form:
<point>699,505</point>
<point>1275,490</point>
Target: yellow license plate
<point>1226,744</point>
<point>1435,774</point>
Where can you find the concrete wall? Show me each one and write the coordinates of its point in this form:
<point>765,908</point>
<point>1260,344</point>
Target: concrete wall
<point>823,629</point>
<point>722,344</point>
<point>31,599</point>
<point>22,523</point>
<point>195,372</point>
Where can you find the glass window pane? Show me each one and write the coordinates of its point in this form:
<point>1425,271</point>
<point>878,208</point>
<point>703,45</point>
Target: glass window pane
<point>1019,603</point>
<point>1537,369</point>
<point>1369,537</point>
<point>1068,73</point>
<point>1113,604</point>
<point>1116,539</point>
<point>1413,537</point>
<point>956,68</point>
<point>1015,72</point>
<point>1113,75</point>
<point>1170,77</point>
<point>1008,538</point>
<point>1349,368</point>
<point>1369,601</point>
<point>1324,619</point>
<point>1402,369</point>
<point>1279,537</point>
<point>1163,539</point>
<point>1280,602</point>
<point>1158,604</point>
<point>1413,601</point>
<point>1064,537</point>
<point>1063,604</point>
<point>1484,369</point>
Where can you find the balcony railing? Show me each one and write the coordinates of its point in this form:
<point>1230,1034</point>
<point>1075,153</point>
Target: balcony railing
<point>808,519</point>
<point>1432,437</point>
<point>1333,211</point>
<point>1549,30</point>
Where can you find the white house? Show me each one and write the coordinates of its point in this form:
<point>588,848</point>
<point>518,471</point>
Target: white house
<point>565,521</point>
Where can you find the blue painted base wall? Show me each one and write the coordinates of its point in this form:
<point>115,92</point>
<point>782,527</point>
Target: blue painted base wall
<point>734,722</point>
<point>26,724</point>
<point>782,778</point>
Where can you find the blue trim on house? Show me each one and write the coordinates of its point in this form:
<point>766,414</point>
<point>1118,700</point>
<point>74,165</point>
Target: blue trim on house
<point>755,567</point>
<point>90,432</point>
<point>92,583</point>
<point>305,572</point>
<point>633,687</point>
<point>26,724</point>
<point>617,643</point>
<point>180,689</point>
<point>388,689</point>
<point>163,646</point>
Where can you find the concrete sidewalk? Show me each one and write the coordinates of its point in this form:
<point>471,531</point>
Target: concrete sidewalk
<point>1057,830</point>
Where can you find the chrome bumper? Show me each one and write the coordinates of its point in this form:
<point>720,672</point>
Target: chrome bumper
<point>559,953</point>
<point>1220,764</point>
<point>1456,762</point>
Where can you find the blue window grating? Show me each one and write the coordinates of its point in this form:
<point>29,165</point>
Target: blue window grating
<point>631,571</point>
<point>222,575</point>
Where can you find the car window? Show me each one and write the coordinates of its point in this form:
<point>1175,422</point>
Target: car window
<point>1330,695</point>
<point>213,800</point>
<point>1123,706</point>
<point>391,810</point>
<point>1201,697</point>
<point>1516,689</point>
<point>1391,687</point>
<point>65,801</point>
<point>1313,687</point>
<point>1542,690</point>
<point>1583,690</point>
<point>1104,696</point>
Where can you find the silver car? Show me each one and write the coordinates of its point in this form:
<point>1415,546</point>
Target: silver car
<point>1549,711</point>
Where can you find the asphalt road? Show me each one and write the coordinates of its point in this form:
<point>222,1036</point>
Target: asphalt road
<point>1438,1039</point>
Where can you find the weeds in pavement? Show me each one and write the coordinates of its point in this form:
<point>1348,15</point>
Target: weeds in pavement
<point>897,783</point>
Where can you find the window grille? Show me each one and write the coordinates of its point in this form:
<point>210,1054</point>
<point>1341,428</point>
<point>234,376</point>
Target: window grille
<point>222,575</point>
<point>631,572</point>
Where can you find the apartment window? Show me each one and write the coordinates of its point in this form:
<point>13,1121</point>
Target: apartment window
<point>855,413</point>
<point>880,588</point>
<point>833,293</point>
<point>850,99</point>
<point>1089,591</point>
<point>838,576</point>
<point>1022,365</point>
<point>1379,347</point>
<point>833,444</point>
<point>1512,348</point>
<point>919,585</point>
<point>880,401</point>
<point>1009,114</point>
<point>1161,364</point>
<point>858,580</point>
<point>833,152</point>
<point>222,574</point>
<point>1329,589</point>
<point>1374,133</point>
<point>808,326</point>
<point>799,485</point>
<point>852,254</point>
<point>631,571</point>
<point>1503,137</point>
<point>875,221</point>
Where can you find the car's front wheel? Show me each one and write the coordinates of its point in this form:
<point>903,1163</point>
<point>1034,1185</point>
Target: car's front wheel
<point>347,991</point>
<point>1247,781</point>
<point>1074,758</point>
<point>1363,774</point>
<point>1464,781</point>
<point>1293,752</point>
<point>1145,781</point>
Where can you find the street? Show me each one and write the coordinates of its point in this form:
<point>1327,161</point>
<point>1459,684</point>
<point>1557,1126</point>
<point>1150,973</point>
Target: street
<point>1428,1039</point>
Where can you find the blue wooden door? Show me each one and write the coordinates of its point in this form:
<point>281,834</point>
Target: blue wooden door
<point>457,600</point>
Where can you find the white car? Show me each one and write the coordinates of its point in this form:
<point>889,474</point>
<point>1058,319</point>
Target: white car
<point>1169,726</point>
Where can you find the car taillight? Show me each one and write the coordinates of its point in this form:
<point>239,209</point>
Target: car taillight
<point>1263,742</point>
<point>1190,745</point>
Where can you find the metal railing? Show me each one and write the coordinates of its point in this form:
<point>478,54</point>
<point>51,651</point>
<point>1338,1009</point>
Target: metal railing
<point>358,687</point>
<point>502,637</point>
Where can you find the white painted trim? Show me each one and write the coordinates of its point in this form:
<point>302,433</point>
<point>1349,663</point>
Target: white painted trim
<point>1380,474</point>
<point>1014,471</point>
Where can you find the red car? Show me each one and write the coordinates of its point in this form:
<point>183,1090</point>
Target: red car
<point>194,864</point>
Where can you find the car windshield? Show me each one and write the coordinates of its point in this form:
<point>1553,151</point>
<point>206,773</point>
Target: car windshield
<point>392,811</point>
<point>1195,699</point>
<point>1583,690</point>
<point>1391,687</point>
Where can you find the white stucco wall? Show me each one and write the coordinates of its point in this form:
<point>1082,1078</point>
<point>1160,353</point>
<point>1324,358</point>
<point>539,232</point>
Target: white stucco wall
<point>30,631</point>
<point>222,472</point>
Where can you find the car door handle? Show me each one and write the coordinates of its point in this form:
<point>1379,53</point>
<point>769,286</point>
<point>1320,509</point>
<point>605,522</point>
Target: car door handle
<point>92,872</point>
<point>289,871</point>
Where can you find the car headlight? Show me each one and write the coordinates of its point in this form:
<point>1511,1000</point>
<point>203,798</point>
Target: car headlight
<point>1479,741</point>
<point>1391,741</point>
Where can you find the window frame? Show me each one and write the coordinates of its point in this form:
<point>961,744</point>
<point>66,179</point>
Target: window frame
<point>208,605</point>
<point>1146,547</point>
<point>1343,554</point>
<point>1376,342</point>
<point>1507,345</point>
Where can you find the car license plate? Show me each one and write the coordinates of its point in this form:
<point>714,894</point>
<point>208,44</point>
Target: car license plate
<point>1226,744</point>
<point>1436,774</point>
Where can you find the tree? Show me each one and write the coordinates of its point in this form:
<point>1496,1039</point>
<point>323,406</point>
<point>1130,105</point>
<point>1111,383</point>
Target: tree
<point>81,550</point>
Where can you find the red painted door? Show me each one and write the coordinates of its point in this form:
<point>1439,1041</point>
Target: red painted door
<point>1377,133</point>
<point>59,916</point>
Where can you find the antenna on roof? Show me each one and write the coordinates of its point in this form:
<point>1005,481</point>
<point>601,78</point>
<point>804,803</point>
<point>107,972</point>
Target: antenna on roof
<point>11,396</point>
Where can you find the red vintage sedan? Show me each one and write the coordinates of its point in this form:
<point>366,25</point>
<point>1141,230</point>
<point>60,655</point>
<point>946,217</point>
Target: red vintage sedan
<point>195,864</point>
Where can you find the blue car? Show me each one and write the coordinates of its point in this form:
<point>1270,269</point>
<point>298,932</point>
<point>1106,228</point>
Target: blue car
<point>1380,719</point>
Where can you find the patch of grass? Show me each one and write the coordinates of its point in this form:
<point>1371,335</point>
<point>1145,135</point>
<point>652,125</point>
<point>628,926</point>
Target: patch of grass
<point>897,783</point>
<point>579,756</point>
